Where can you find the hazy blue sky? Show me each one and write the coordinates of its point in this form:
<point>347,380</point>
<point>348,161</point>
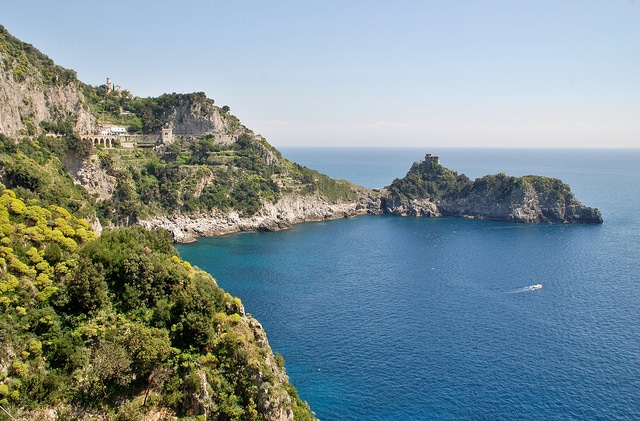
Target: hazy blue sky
<point>379,73</point>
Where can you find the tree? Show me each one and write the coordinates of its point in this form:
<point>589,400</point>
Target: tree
<point>109,368</point>
<point>85,290</point>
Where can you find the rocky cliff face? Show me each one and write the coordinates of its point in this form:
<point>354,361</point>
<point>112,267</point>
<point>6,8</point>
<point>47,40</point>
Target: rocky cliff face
<point>91,174</point>
<point>411,207</point>
<point>33,90</point>
<point>201,118</point>
<point>522,205</point>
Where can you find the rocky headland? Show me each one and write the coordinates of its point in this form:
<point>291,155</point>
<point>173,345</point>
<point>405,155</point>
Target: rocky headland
<point>211,153</point>
<point>429,189</point>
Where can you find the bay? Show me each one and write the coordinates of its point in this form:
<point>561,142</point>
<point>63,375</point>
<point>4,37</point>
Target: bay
<point>389,318</point>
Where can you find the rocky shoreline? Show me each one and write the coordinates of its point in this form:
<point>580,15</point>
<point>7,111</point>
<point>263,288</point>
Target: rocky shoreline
<point>527,207</point>
<point>289,210</point>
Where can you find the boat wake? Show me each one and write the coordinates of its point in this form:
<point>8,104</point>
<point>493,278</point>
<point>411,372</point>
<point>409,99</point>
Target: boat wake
<point>530,288</point>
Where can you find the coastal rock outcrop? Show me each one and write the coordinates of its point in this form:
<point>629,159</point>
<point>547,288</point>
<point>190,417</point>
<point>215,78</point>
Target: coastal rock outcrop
<point>429,189</point>
<point>523,203</point>
<point>412,207</point>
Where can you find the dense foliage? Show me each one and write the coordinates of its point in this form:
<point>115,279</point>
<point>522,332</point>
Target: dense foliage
<point>144,115</point>
<point>120,325</point>
<point>34,169</point>
<point>189,176</point>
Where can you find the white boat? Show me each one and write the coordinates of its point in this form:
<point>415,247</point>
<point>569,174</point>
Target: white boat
<point>535,287</point>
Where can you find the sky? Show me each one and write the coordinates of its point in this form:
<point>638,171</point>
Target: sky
<point>488,73</point>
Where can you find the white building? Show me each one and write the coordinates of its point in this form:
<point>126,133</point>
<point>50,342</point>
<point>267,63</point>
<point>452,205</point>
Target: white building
<point>117,130</point>
<point>114,131</point>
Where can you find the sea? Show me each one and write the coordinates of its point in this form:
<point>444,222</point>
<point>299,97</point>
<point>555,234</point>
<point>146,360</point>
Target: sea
<point>403,318</point>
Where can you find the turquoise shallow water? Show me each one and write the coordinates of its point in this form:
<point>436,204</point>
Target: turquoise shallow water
<point>388,318</point>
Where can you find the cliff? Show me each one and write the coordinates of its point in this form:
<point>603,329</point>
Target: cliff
<point>34,90</point>
<point>429,189</point>
<point>216,176</point>
<point>197,115</point>
<point>521,199</point>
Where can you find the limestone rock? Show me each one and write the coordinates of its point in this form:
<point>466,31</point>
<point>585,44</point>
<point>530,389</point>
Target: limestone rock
<point>199,118</point>
<point>522,204</point>
<point>91,174</point>
<point>429,189</point>
<point>414,207</point>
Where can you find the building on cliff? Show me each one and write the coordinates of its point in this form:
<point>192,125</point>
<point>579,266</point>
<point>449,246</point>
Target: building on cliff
<point>111,87</point>
<point>432,158</point>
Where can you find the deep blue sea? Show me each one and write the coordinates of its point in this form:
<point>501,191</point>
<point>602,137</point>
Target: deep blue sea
<point>390,318</point>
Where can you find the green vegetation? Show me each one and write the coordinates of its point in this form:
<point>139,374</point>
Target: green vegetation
<point>109,107</point>
<point>313,182</point>
<point>202,175</point>
<point>147,115</point>
<point>501,187</point>
<point>120,325</point>
<point>430,180</point>
<point>550,189</point>
<point>144,115</point>
<point>21,59</point>
<point>193,175</point>
<point>33,168</point>
<point>190,177</point>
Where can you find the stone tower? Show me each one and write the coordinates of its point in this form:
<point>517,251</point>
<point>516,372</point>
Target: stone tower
<point>432,158</point>
<point>167,135</point>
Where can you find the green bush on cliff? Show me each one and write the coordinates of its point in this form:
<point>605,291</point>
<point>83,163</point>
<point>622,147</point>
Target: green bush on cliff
<point>429,180</point>
<point>33,168</point>
<point>552,188</point>
<point>142,114</point>
<point>499,186</point>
